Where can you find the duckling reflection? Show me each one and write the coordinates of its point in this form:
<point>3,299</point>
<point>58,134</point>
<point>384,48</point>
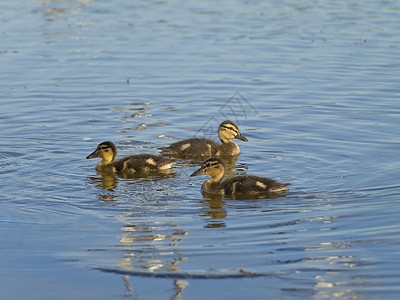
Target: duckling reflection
<point>180,285</point>
<point>341,268</point>
<point>215,212</point>
<point>150,246</point>
<point>105,181</point>
<point>202,148</point>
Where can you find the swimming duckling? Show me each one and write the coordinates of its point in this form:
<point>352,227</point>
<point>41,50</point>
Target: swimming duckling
<point>240,185</point>
<point>130,164</point>
<point>200,147</point>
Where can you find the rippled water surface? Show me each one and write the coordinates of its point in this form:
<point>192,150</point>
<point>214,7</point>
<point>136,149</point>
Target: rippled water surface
<point>313,85</point>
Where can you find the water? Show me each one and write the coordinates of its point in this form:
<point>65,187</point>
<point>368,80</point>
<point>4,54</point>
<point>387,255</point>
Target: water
<point>313,86</point>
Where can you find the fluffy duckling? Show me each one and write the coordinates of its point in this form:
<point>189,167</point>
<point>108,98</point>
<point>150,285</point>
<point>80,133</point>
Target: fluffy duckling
<point>200,147</point>
<point>128,165</point>
<point>241,185</point>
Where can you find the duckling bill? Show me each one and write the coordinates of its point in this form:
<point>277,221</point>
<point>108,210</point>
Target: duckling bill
<point>242,185</point>
<point>201,148</point>
<point>130,164</point>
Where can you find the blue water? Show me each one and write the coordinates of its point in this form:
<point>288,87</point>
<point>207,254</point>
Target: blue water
<point>314,86</point>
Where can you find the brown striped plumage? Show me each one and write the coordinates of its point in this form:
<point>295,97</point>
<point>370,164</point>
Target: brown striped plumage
<point>246,185</point>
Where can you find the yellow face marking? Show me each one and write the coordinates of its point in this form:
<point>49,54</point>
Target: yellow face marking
<point>105,152</point>
<point>103,147</point>
<point>214,168</point>
<point>210,164</point>
<point>231,128</point>
<point>227,132</point>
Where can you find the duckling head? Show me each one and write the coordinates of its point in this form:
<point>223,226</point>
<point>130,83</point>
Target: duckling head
<point>106,151</point>
<point>229,130</point>
<point>214,167</point>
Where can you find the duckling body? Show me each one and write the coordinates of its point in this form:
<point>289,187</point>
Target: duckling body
<point>201,148</point>
<point>242,185</point>
<point>192,148</point>
<point>252,185</point>
<point>139,163</point>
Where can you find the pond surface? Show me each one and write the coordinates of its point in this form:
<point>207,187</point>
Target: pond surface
<point>314,86</point>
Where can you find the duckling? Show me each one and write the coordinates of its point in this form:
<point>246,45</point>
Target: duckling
<point>129,165</point>
<point>200,147</point>
<point>241,185</point>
